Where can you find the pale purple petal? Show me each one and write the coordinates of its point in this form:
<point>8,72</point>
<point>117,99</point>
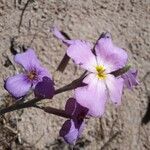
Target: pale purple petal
<point>27,59</point>
<point>18,85</point>
<point>109,54</point>
<point>61,37</point>
<point>93,96</point>
<point>58,34</point>
<point>45,88</point>
<point>115,87</point>
<point>130,78</point>
<point>82,55</point>
<point>69,131</point>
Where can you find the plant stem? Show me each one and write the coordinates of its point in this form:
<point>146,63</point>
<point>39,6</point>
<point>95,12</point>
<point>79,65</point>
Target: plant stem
<point>74,84</point>
<point>54,111</point>
<point>121,71</point>
<point>17,106</point>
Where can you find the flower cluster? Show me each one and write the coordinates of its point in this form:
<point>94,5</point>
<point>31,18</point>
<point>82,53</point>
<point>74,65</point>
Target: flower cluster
<point>100,61</point>
<point>107,74</point>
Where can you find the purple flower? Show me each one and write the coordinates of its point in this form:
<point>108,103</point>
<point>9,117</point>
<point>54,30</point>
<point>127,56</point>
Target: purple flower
<point>33,75</point>
<point>72,128</point>
<point>100,63</point>
<point>130,78</point>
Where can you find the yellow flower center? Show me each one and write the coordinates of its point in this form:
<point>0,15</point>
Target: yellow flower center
<point>101,72</point>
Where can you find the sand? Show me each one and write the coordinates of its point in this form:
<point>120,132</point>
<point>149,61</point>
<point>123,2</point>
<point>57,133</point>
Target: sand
<point>128,21</point>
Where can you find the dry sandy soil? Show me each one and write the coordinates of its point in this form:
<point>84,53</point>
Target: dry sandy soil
<point>124,128</point>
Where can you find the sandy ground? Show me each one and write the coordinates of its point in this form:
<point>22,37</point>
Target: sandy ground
<point>129,23</point>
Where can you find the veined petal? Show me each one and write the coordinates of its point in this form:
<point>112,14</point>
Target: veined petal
<point>27,59</point>
<point>91,77</point>
<point>17,85</point>
<point>110,55</point>
<point>93,96</point>
<point>115,87</point>
<point>80,52</point>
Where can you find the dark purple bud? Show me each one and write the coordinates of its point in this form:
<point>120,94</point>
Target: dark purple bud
<point>130,78</point>
<point>45,88</point>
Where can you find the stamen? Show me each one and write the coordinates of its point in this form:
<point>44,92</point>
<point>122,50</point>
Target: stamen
<point>101,72</point>
<point>32,75</point>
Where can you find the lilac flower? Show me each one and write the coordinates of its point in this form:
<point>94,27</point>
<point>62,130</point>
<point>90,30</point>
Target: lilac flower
<point>72,128</point>
<point>33,75</point>
<point>101,84</point>
<point>130,78</point>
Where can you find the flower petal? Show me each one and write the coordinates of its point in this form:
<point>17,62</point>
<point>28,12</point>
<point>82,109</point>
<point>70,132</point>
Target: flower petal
<point>61,37</point>
<point>27,59</point>
<point>58,34</point>
<point>115,87</point>
<point>70,106</point>
<point>17,85</point>
<point>45,88</point>
<point>69,132</point>
<point>93,96</point>
<point>110,55</point>
<point>130,78</point>
<point>80,52</point>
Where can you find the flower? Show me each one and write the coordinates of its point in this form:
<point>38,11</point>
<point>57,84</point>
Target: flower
<point>130,78</point>
<point>72,128</point>
<point>33,75</point>
<point>100,62</point>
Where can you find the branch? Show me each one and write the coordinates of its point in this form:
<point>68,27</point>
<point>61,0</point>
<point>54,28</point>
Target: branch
<point>64,62</point>
<point>22,13</point>
<point>54,111</point>
<point>74,84</point>
<point>17,106</point>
